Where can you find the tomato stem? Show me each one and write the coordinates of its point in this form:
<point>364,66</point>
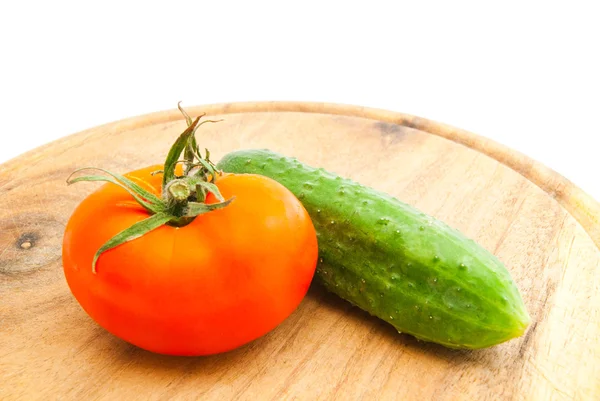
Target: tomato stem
<point>178,191</point>
<point>183,197</point>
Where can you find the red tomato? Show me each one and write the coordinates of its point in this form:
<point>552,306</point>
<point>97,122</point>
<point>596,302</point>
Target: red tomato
<point>225,279</point>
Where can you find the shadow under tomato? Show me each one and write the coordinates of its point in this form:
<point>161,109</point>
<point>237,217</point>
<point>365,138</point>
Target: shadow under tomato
<point>144,359</point>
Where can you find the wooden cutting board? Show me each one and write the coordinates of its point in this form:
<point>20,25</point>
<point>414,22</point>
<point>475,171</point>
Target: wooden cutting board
<point>539,224</point>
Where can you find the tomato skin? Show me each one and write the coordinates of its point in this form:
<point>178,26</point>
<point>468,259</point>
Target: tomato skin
<point>226,279</point>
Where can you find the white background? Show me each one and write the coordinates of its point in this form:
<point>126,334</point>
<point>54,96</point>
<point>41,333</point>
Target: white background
<point>525,74</point>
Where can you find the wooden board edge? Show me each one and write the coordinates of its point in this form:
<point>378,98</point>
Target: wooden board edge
<point>577,202</point>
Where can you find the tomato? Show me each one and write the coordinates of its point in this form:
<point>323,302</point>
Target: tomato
<point>223,280</point>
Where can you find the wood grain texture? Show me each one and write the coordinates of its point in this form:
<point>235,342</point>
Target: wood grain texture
<point>540,225</point>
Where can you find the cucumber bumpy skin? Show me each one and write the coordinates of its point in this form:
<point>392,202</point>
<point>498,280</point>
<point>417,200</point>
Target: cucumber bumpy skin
<point>386,257</point>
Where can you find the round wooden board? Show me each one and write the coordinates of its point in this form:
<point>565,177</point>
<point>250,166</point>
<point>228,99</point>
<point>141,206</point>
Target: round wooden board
<point>541,226</point>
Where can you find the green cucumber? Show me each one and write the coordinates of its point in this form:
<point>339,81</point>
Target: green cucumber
<point>386,257</point>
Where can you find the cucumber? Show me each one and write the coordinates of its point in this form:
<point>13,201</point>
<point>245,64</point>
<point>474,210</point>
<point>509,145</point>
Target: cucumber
<point>388,258</point>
